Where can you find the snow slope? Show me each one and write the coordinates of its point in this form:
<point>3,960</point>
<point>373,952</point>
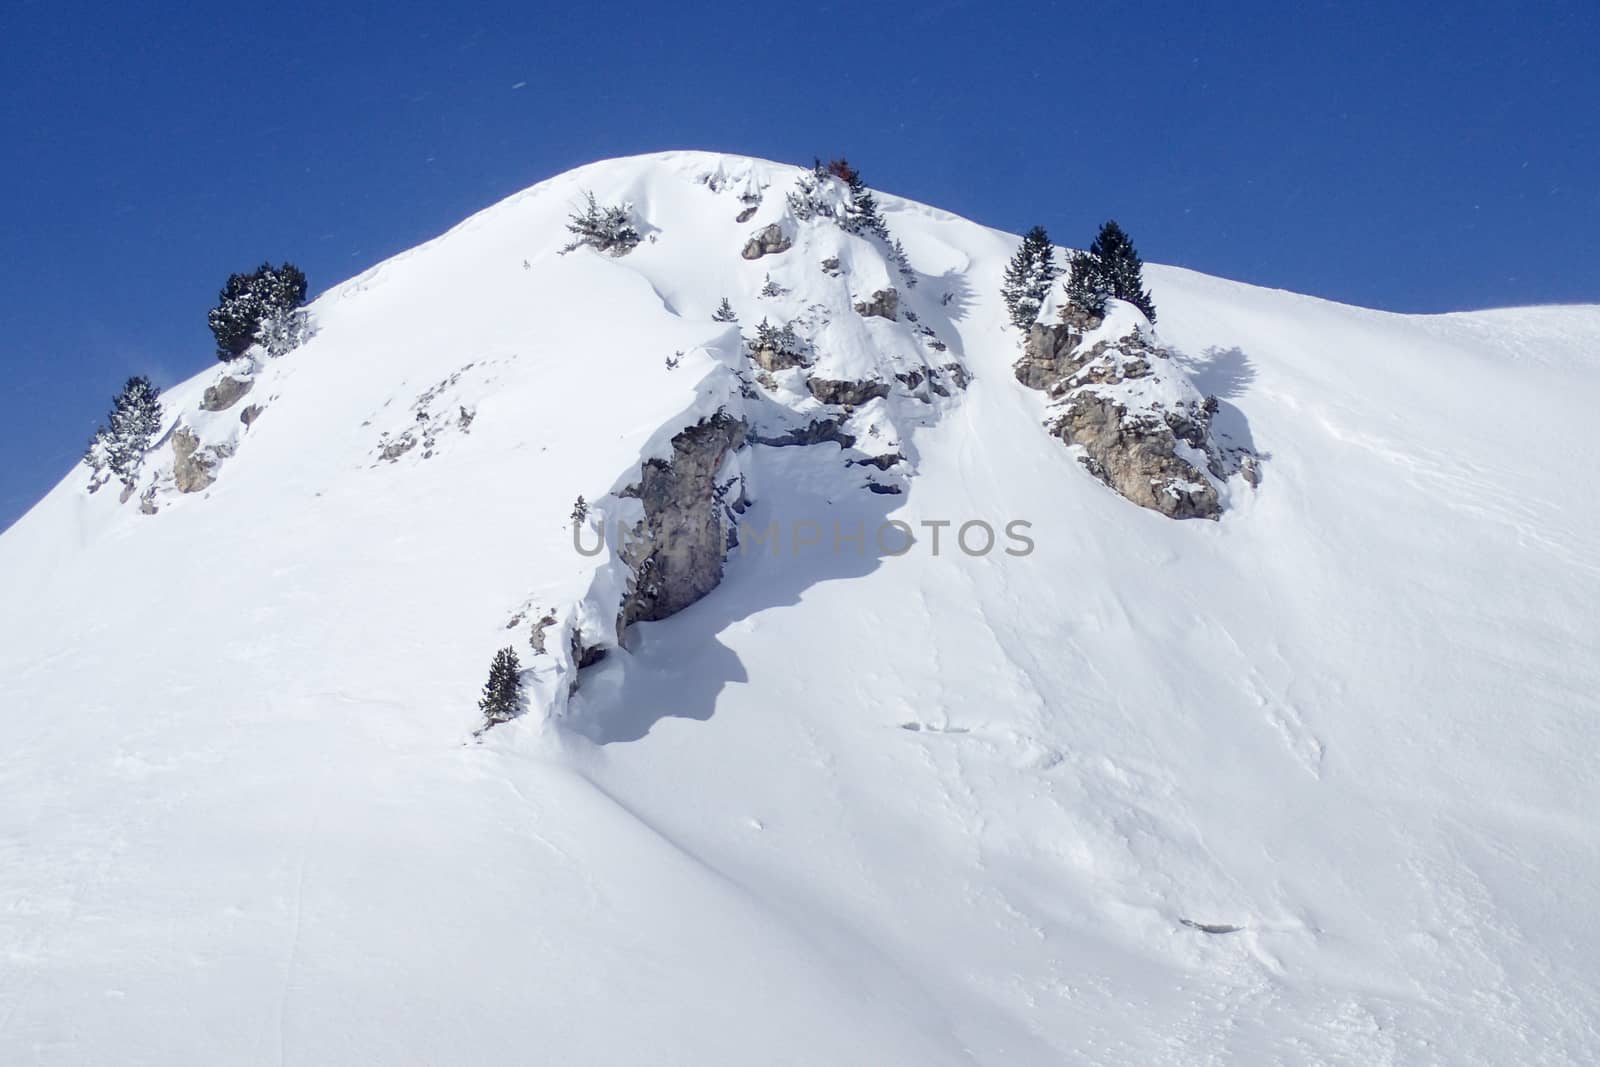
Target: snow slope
<point>851,807</point>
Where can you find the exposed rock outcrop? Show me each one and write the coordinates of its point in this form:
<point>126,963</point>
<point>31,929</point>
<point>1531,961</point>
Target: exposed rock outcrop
<point>884,304</point>
<point>1144,428</point>
<point>249,415</point>
<point>193,467</point>
<point>767,241</point>
<point>813,433</point>
<point>225,393</point>
<point>777,358</point>
<point>847,393</point>
<point>676,551</point>
<point>1136,455</point>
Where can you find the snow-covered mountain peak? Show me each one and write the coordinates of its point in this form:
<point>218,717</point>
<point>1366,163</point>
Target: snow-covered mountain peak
<point>863,723</point>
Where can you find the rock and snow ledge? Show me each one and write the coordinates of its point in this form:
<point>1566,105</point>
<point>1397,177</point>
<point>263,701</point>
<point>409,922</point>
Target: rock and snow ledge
<point>1144,428</point>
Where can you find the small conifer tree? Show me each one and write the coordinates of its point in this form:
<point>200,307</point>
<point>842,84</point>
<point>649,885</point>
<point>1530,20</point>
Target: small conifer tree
<point>120,443</point>
<point>267,296</point>
<point>603,228</point>
<point>1086,288</point>
<point>724,312</point>
<point>1028,277</point>
<point>1111,267</point>
<point>502,693</point>
<point>902,262</point>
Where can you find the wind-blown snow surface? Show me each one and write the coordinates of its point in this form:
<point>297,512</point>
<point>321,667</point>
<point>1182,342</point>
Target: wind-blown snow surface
<point>869,809</point>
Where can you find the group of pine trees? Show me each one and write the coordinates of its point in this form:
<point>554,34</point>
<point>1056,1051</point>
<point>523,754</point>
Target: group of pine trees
<point>260,308</point>
<point>1110,268</point>
<point>856,212</point>
<point>263,307</point>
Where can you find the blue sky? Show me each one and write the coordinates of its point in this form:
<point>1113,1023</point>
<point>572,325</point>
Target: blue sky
<point>1372,153</point>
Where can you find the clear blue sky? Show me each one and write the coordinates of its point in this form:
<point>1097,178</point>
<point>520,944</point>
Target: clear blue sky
<point>1373,153</point>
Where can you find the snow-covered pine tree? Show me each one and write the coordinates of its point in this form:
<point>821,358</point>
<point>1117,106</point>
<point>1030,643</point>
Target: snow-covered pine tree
<point>724,312</point>
<point>1086,286</point>
<point>1120,268</point>
<point>283,330</point>
<point>502,693</point>
<point>861,214</point>
<point>767,337</point>
<point>1028,277</point>
<point>805,200</point>
<point>120,444</point>
<point>603,228</point>
<point>771,288</point>
<point>249,299</point>
<point>903,263</point>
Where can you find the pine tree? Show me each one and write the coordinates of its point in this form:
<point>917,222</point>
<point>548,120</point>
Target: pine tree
<point>1086,288</point>
<point>1111,267</point>
<point>120,444</point>
<point>249,300</point>
<point>861,214</point>
<point>767,337</point>
<point>724,312</point>
<point>902,262</point>
<point>1028,277</point>
<point>502,693</point>
<point>603,228</point>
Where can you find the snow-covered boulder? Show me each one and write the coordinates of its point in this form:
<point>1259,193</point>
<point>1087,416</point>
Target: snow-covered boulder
<point>224,394</point>
<point>767,241</point>
<point>884,304</point>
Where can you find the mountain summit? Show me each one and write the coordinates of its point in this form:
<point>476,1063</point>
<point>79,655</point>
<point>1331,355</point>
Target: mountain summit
<point>888,683</point>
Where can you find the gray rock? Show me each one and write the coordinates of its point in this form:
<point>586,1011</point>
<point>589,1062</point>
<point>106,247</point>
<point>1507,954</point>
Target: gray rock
<point>147,502</point>
<point>537,638</point>
<point>747,214</point>
<point>776,359</point>
<point>1134,452</point>
<point>225,393</point>
<point>1137,457</point>
<point>676,552</point>
<point>1048,355</point>
<point>845,393</point>
<point>769,240</point>
<point>193,468</point>
<point>885,304</point>
<point>249,415</point>
<point>813,433</point>
<point>393,450</point>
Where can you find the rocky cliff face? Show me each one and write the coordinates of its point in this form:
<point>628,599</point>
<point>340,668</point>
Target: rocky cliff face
<point>1144,428</point>
<point>675,552</point>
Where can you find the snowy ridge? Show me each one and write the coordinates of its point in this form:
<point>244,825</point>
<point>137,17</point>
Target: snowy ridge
<point>1310,784</point>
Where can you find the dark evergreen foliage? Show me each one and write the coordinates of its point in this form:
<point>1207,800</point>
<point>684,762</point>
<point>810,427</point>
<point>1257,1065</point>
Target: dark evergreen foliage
<point>502,693</point>
<point>782,340</point>
<point>603,228</point>
<point>1086,289</point>
<point>1111,268</point>
<point>897,252</point>
<point>120,444</point>
<point>267,295</point>
<point>724,312</point>
<point>1028,277</point>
